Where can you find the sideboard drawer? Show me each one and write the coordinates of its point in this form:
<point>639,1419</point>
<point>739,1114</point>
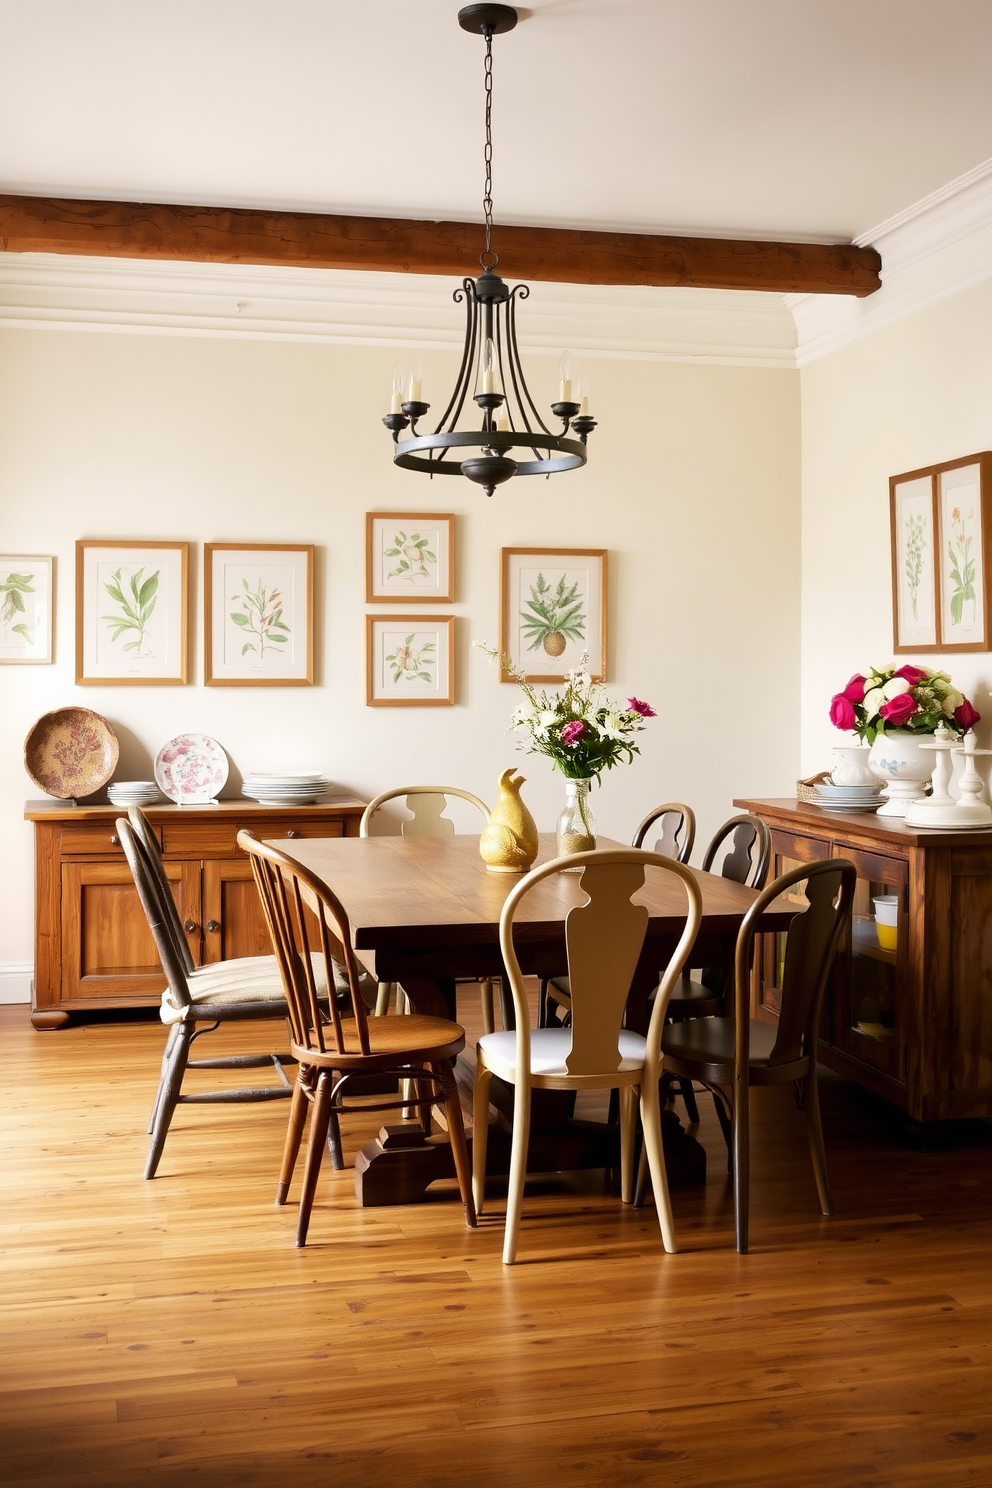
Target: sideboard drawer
<point>95,838</point>
<point>219,839</point>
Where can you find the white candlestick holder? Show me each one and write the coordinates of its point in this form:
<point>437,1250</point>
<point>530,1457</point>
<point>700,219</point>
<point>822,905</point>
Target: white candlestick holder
<point>940,810</point>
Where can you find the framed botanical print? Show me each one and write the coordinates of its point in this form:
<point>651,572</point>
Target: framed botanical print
<point>131,609</point>
<point>258,615</point>
<point>941,530</point>
<point>27,609</point>
<point>552,613</point>
<point>409,661</point>
<point>409,558</point>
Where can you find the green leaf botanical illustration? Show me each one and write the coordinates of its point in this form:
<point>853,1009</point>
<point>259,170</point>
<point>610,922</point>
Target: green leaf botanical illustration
<point>410,663</point>
<point>962,565</point>
<point>553,616</point>
<point>13,589</point>
<point>137,598</point>
<point>260,617</point>
<point>915,546</point>
<point>415,557</point>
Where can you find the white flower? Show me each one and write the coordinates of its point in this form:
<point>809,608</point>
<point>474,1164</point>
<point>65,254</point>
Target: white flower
<point>953,700</point>
<point>612,726</point>
<point>873,701</point>
<point>894,688</point>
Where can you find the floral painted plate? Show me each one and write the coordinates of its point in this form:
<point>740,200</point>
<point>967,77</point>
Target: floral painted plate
<point>191,769</point>
<point>71,752</point>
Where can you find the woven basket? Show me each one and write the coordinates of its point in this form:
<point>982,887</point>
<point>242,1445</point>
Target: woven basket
<point>806,789</point>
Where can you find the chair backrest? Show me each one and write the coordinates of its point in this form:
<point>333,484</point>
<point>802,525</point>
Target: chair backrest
<point>677,830</point>
<point>604,938</point>
<point>149,893</point>
<point>310,931</point>
<point>145,833</point>
<point>426,804</point>
<point>811,944</point>
<point>750,851</point>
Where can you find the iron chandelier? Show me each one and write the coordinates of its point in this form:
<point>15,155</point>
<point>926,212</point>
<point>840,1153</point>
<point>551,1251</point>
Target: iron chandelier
<point>512,439</point>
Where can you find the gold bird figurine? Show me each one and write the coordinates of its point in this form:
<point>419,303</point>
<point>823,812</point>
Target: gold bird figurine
<point>509,840</point>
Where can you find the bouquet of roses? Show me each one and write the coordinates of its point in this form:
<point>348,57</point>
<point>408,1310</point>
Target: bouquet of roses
<point>911,698</point>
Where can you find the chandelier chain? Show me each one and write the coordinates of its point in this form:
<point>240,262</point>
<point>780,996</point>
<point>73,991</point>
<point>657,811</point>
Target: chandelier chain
<point>487,200</point>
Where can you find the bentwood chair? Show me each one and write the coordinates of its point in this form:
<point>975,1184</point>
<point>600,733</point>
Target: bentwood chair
<point>604,937</point>
<point>427,805</point>
<point>729,1055</point>
<point>332,1045</point>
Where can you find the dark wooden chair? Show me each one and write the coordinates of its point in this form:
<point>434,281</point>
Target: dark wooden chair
<point>335,1044</point>
<point>729,1055</point>
<point>197,999</point>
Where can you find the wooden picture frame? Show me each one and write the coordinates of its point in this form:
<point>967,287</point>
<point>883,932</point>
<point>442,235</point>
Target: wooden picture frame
<point>552,607</point>
<point>27,610</point>
<point>258,614</point>
<point>132,604</point>
<point>409,558</point>
<point>410,661</point>
<point>940,520</point>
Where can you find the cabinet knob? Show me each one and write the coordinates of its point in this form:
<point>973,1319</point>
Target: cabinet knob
<point>213,925</point>
<point>189,926</point>
<point>294,833</point>
<point>115,841</point>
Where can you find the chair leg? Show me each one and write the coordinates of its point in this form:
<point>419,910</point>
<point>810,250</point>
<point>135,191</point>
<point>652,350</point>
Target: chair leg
<point>383,998</point>
<point>814,1131</point>
<point>641,1186</point>
<point>456,1136</point>
<point>480,1133</point>
<point>741,1158</point>
<point>423,1092</point>
<point>168,1097</point>
<point>651,1122</point>
<point>628,1133</point>
<point>726,1126</point>
<point>334,1141</point>
<point>689,1099</point>
<point>170,1044</point>
<point>488,1009</point>
<point>518,1164</point>
<point>297,1120</point>
<point>320,1112</point>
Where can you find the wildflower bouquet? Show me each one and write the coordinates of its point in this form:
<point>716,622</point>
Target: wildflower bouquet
<point>579,729</point>
<point>911,698</point>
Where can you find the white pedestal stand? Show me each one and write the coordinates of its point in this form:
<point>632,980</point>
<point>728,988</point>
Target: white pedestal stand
<point>940,810</point>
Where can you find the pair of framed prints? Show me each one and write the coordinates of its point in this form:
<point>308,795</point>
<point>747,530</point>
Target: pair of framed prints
<point>941,528</point>
<point>132,607</point>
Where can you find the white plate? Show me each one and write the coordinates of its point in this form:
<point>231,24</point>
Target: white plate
<point>191,768</point>
<point>852,808</point>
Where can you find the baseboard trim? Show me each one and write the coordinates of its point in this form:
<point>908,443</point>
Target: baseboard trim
<point>16,978</point>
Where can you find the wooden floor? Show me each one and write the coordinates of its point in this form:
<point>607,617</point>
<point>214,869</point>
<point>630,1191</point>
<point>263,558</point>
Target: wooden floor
<point>170,1333</point>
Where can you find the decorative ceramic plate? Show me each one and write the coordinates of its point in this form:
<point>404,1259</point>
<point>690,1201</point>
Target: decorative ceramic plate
<point>191,768</point>
<point>71,752</point>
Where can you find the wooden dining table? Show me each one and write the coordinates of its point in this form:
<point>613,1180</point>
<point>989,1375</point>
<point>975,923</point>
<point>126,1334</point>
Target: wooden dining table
<point>425,911</point>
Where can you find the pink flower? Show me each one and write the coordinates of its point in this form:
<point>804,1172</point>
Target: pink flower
<point>573,731</point>
<point>913,675</point>
<point>842,714</point>
<point>634,705</point>
<point>898,710</point>
<point>855,689</point>
<point>966,715</point>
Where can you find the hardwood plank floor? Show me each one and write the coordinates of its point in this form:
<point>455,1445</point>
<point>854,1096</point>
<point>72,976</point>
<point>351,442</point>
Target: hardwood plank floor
<point>170,1332</point>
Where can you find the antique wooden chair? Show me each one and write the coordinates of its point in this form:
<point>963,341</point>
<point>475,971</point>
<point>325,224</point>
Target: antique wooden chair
<point>427,805</point>
<point>729,1055</point>
<point>332,1045</point>
<point>603,940</point>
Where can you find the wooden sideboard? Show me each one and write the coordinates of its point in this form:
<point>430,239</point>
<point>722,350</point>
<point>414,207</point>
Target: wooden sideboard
<point>93,948</point>
<point>913,1024</point>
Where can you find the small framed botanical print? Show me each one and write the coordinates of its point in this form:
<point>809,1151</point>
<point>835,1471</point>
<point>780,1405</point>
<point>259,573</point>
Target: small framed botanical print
<point>409,558</point>
<point>914,563</point>
<point>552,613</point>
<point>131,607</point>
<point>409,660</point>
<point>258,615</point>
<point>27,609</point>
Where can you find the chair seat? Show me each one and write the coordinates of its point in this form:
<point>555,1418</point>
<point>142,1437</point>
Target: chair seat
<point>549,1048</point>
<point>255,980</point>
<point>711,1041</point>
<point>415,1039</point>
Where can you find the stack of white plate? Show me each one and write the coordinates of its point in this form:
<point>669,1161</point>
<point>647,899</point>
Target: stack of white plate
<point>133,792</point>
<point>848,797</point>
<point>285,788</point>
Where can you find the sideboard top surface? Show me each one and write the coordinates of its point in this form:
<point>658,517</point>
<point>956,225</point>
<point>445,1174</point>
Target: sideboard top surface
<point>798,815</point>
<point>53,811</point>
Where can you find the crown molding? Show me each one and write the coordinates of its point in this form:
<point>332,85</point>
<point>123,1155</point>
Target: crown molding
<point>932,250</point>
<point>361,308</point>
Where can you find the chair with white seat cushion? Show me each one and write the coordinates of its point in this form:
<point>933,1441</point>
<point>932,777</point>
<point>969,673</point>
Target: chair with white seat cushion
<point>604,937</point>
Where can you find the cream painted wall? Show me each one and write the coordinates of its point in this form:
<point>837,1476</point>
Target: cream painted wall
<point>914,394</point>
<point>693,485</point>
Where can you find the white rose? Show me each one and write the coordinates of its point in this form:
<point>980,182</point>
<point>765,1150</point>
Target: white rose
<point>873,701</point>
<point>894,688</point>
<point>952,701</point>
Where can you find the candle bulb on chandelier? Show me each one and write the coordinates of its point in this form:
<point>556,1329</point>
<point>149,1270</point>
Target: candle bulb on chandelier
<point>397,399</point>
<point>416,379</point>
<point>503,421</point>
<point>565,378</point>
<point>489,367</point>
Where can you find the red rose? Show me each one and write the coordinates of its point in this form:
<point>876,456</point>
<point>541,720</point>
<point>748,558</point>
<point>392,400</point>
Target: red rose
<point>966,715</point>
<point>855,689</point>
<point>842,714</point>
<point>898,710</point>
<point>913,675</point>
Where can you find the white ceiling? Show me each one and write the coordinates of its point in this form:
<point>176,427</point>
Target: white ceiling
<point>813,119</point>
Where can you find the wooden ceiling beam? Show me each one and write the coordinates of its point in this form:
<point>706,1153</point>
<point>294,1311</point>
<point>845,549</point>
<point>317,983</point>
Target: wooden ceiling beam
<point>110,229</point>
